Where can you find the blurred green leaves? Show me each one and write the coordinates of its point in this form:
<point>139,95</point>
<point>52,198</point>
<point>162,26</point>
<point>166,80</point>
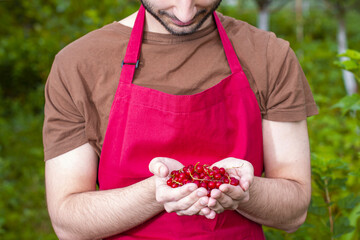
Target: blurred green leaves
<point>352,62</point>
<point>32,32</point>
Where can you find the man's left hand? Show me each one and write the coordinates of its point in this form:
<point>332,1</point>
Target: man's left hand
<point>228,197</point>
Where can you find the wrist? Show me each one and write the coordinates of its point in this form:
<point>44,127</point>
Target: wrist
<point>151,190</point>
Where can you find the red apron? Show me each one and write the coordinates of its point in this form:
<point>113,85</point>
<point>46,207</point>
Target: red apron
<point>220,122</point>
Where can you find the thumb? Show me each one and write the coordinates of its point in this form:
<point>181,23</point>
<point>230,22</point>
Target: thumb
<point>158,167</point>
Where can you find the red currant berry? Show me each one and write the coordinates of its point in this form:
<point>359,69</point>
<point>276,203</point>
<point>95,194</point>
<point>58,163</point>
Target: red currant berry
<point>197,182</point>
<point>195,176</point>
<point>182,176</point>
<point>190,169</point>
<point>199,169</point>
<point>234,181</point>
<point>211,185</point>
<point>207,178</point>
<point>217,176</point>
<point>203,184</point>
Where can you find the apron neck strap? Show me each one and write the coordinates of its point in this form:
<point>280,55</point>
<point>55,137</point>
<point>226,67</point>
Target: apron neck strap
<point>132,56</point>
<point>134,45</point>
<point>228,48</point>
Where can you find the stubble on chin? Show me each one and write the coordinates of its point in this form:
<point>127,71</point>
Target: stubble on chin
<point>183,30</point>
<point>164,19</point>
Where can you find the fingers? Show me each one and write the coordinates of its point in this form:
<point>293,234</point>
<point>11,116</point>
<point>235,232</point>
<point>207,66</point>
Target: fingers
<point>200,208</point>
<point>220,201</point>
<point>227,197</point>
<point>167,194</point>
<point>190,204</point>
<point>246,174</point>
<point>195,208</point>
<point>208,213</point>
<point>233,192</point>
<point>244,184</point>
<point>215,205</point>
<point>158,167</point>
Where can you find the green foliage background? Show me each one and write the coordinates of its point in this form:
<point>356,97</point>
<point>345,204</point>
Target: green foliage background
<point>32,32</point>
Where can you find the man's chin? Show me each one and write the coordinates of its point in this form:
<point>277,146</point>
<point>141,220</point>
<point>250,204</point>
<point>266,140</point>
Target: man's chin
<point>177,30</point>
<point>180,30</point>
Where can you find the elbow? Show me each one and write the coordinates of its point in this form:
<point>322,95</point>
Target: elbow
<point>301,215</point>
<point>59,226</point>
<point>64,234</point>
<point>296,224</point>
<point>63,231</point>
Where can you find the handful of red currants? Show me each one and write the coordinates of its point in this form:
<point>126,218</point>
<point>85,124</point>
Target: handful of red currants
<point>202,175</point>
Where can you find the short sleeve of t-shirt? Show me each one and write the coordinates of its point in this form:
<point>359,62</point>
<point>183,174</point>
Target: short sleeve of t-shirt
<point>64,125</point>
<point>287,96</point>
<point>273,71</point>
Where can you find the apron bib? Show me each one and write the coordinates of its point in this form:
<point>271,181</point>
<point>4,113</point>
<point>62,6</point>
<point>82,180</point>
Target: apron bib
<point>222,121</point>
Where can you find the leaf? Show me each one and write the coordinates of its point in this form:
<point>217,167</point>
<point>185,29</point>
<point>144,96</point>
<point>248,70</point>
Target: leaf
<point>337,164</point>
<point>355,173</point>
<point>348,103</point>
<point>336,183</point>
<point>349,65</point>
<point>349,202</point>
<point>342,226</point>
<point>352,54</point>
<point>318,206</point>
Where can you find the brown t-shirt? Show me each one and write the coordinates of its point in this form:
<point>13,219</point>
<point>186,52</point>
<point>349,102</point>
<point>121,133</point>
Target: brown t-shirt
<point>84,77</point>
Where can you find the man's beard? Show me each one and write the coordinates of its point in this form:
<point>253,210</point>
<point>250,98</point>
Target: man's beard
<point>161,15</point>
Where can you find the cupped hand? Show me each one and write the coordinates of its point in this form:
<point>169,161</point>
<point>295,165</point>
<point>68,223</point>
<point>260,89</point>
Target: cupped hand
<point>228,197</point>
<point>184,200</point>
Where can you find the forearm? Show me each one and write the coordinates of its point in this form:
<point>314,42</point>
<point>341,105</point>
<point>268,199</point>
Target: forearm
<point>97,214</point>
<point>278,203</point>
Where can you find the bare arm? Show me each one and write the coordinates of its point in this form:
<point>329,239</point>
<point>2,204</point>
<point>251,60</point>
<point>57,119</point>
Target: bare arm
<point>78,211</point>
<point>281,199</point>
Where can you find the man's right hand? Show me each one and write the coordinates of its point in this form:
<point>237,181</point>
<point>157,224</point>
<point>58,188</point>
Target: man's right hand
<point>184,200</point>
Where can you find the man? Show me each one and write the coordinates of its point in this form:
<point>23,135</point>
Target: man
<point>183,97</point>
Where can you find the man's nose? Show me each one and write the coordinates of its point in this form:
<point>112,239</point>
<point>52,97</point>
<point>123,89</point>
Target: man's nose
<point>185,10</point>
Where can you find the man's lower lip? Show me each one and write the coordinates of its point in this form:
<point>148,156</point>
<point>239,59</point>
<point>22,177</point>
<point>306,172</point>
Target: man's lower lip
<point>180,23</point>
